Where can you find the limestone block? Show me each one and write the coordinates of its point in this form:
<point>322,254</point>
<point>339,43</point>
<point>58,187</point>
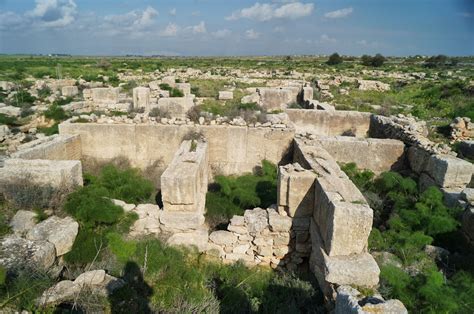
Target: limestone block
<point>385,154</point>
<point>344,226</point>
<point>141,98</point>
<point>449,171</point>
<point>170,80</point>
<point>467,149</point>
<point>241,249</point>
<point>252,98</point>
<point>55,173</point>
<point>307,93</point>
<point>256,220</point>
<point>105,95</point>
<point>226,95</point>
<point>238,229</point>
<point>197,238</point>
<point>468,195</point>
<point>237,220</point>
<point>279,223</point>
<point>5,85</point>
<point>275,98</point>
<point>126,207</point>
<point>223,237</point>
<point>296,191</point>
<point>69,91</point>
<point>10,111</point>
<point>468,223</point>
<point>176,107</point>
<point>173,221</point>
<point>16,251</point>
<point>60,232</point>
<point>351,301</point>
<point>185,88</point>
<point>56,147</point>
<point>23,221</point>
<point>184,182</point>
<point>93,277</point>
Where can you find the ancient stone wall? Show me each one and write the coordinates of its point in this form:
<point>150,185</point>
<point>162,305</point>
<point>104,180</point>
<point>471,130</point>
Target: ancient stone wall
<point>324,122</point>
<point>340,223</point>
<point>56,173</point>
<point>232,149</point>
<point>56,147</point>
<point>378,155</point>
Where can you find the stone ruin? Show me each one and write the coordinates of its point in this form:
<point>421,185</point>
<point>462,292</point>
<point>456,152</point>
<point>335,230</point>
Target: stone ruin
<point>320,215</point>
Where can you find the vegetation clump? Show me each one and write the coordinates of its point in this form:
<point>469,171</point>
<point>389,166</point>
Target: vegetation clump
<point>405,222</point>
<point>334,59</point>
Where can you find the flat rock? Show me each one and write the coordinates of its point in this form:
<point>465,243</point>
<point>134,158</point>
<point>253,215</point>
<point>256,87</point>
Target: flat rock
<point>256,219</point>
<point>16,251</point>
<point>223,237</point>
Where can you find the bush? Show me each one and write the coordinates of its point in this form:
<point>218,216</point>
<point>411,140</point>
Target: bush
<point>375,61</point>
<point>62,101</point>
<point>176,93</point>
<point>86,247</point>
<point>23,98</point>
<point>11,121</point>
<point>232,195</point>
<point>334,59</point>
<point>91,207</point>
<point>44,92</point>
<point>159,113</point>
<point>54,129</point>
<point>56,113</point>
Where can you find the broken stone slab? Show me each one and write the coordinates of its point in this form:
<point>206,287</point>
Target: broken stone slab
<point>16,252</point>
<point>351,301</point>
<point>467,149</point>
<point>223,237</point>
<point>61,232</point>
<point>23,221</point>
<point>198,238</point>
<point>56,173</point>
<point>105,95</point>
<point>468,195</point>
<point>126,207</point>
<point>176,107</point>
<point>185,88</point>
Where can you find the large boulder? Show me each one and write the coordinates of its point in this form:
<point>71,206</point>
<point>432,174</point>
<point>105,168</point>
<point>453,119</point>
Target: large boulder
<point>61,232</point>
<point>19,252</point>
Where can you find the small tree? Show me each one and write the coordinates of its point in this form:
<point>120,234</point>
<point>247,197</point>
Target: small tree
<point>378,60</point>
<point>334,59</point>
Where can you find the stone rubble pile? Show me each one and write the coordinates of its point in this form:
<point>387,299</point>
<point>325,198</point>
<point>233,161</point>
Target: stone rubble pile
<point>351,301</point>
<point>37,245</point>
<point>271,121</point>
<point>462,129</point>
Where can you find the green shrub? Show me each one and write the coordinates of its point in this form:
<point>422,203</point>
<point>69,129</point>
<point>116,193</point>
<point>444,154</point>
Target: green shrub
<point>62,101</point>
<point>232,195</point>
<point>23,98</point>
<point>165,86</point>
<point>127,185</point>
<point>56,113</point>
<point>91,207</point>
<point>4,119</point>
<point>123,250</point>
<point>334,59</point>
<point>174,92</point>
<point>44,92</point>
<point>3,275</point>
<point>54,129</point>
<point>361,178</point>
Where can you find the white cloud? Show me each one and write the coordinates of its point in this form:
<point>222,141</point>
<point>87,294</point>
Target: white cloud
<point>326,39</point>
<point>251,34</point>
<point>339,13</point>
<point>362,42</point>
<point>266,11</point>
<point>53,13</point>
<point>10,21</point>
<point>173,11</point>
<point>199,28</point>
<point>222,33</point>
<point>170,31</point>
<point>135,22</point>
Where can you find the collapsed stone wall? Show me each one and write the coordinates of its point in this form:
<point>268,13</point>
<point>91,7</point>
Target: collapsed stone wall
<point>232,149</point>
<point>330,123</point>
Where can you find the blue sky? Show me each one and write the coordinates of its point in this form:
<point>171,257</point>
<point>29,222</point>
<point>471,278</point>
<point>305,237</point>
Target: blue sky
<point>231,27</point>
